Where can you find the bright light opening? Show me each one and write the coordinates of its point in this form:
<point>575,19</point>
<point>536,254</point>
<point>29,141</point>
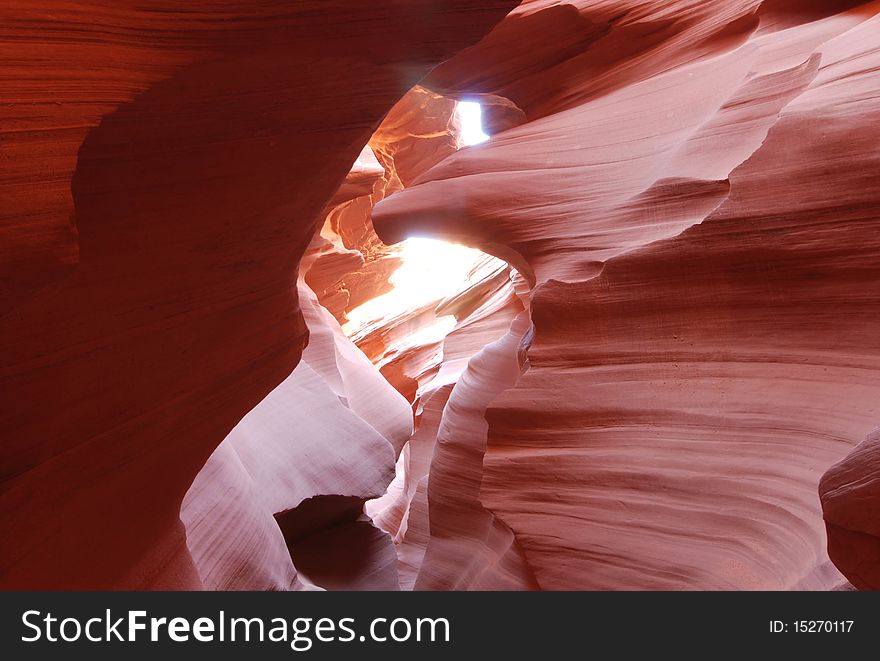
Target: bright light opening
<point>432,270</point>
<point>470,119</point>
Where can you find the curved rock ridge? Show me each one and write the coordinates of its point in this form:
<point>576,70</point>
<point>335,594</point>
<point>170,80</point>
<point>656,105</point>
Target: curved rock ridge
<point>291,457</point>
<point>669,383</point>
<point>163,174</point>
<point>850,493</point>
<point>486,311</point>
<point>470,548</point>
<point>410,346</point>
<point>692,214</point>
<point>335,411</point>
<point>594,207</point>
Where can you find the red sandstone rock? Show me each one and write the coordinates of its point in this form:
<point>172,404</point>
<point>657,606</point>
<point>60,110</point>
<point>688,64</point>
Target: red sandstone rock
<point>333,413</point>
<point>347,264</point>
<point>850,492</point>
<point>704,291</point>
<point>486,311</point>
<point>687,190</point>
<point>193,153</point>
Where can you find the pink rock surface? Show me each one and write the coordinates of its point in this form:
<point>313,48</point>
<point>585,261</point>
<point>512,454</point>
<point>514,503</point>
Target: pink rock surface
<point>850,493</point>
<point>469,547</point>
<point>486,311</point>
<point>686,340</point>
<point>333,414</point>
<point>703,300</point>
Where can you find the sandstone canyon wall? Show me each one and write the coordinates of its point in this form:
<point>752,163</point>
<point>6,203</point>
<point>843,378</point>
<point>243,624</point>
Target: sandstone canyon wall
<point>646,395</point>
<point>690,198</point>
<point>163,173</point>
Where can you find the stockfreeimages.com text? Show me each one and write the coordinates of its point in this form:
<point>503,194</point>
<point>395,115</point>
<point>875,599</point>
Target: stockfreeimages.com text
<point>300,633</point>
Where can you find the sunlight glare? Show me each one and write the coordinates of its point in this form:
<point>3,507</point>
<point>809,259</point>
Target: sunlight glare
<point>470,117</point>
<point>431,271</point>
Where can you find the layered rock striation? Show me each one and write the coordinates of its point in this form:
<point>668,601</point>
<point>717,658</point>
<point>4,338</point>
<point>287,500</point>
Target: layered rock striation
<point>163,174</point>
<point>689,198</point>
<point>645,394</point>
